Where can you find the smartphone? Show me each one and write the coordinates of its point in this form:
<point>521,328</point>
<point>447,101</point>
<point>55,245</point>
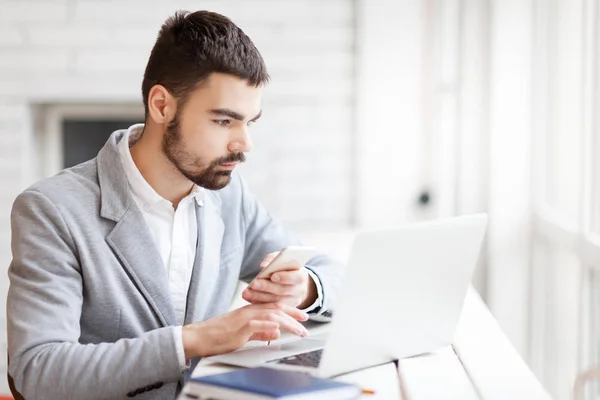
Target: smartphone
<point>289,259</point>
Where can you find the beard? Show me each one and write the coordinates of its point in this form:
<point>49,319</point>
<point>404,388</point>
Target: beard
<point>209,177</point>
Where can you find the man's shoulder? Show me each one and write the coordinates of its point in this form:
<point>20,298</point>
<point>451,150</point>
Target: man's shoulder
<point>71,185</point>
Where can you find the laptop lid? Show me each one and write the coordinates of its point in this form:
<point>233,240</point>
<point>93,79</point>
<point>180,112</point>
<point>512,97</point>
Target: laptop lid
<point>403,292</point>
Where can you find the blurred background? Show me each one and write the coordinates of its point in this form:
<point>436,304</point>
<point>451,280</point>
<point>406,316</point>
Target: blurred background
<point>379,113</point>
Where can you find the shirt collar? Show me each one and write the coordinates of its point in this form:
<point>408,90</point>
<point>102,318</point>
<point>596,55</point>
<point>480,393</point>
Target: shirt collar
<point>141,189</point>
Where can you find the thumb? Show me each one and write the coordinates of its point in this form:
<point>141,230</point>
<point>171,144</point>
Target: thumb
<point>268,258</point>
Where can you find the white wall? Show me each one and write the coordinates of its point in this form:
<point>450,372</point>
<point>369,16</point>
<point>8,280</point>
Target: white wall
<point>78,51</point>
<point>91,51</point>
<point>389,110</point>
<point>509,185</point>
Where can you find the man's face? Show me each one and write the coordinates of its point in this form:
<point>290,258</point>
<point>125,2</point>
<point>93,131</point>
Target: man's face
<point>209,136</point>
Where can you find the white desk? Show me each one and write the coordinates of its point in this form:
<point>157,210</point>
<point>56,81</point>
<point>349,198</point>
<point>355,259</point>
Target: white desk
<point>481,365</point>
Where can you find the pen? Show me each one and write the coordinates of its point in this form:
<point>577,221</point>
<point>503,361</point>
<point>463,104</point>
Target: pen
<point>367,391</point>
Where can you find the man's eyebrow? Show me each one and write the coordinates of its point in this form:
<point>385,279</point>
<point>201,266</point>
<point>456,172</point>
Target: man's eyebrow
<point>226,112</point>
<point>257,116</point>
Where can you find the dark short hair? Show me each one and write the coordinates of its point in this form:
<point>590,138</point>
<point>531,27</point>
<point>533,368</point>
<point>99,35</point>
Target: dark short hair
<point>191,46</point>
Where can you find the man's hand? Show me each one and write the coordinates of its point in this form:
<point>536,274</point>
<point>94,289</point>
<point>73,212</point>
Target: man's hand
<point>230,331</point>
<point>294,287</point>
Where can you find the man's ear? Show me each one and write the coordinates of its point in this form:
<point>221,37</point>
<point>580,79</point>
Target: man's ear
<point>161,104</point>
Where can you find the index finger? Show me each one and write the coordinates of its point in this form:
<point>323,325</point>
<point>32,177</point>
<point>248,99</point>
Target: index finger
<point>293,312</point>
<point>268,258</point>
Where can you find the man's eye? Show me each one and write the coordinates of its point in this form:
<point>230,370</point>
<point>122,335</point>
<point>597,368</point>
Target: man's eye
<point>223,122</point>
<point>250,123</point>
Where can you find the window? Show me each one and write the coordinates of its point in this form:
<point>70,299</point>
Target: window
<point>82,138</point>
<point>71,134</point>
<point>565,285</point>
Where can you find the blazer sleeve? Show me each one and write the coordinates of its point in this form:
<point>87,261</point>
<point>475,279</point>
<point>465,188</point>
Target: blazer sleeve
<point>43,312</point>
<point>264,235</point>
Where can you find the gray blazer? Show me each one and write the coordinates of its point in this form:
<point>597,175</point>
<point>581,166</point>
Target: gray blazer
<point>89,314</point>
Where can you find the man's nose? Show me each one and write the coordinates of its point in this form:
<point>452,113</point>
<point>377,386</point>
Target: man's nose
<point>242,143</point>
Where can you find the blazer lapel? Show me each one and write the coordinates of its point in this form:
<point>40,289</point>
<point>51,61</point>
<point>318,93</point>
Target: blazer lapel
<point>130,239</point>
<point>134,246</point>
<point>207,262</point>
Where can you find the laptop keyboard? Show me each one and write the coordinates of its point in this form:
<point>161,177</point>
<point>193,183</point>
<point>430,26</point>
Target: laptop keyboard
<point>309,359</point>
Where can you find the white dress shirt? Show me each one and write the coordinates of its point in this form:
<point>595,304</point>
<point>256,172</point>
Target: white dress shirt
<point>175,233</point>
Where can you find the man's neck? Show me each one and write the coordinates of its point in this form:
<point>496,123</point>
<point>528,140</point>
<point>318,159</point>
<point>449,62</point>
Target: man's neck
<point>157,169</point>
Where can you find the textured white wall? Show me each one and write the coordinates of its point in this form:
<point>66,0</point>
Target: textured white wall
<point>91,51</point>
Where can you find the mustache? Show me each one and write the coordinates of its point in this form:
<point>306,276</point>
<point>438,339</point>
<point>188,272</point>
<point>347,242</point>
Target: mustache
<point>231,158</point>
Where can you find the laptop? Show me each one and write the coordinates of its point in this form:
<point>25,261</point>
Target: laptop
<point>401,296</point>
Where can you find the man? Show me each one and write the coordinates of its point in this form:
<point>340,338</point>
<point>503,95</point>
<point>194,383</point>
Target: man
<point>124,266</point>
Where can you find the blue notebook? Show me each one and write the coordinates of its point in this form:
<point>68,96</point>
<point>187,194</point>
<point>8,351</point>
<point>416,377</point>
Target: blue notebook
<point>266,383</point>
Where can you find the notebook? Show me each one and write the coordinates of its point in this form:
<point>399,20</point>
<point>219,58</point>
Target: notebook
<point>266,383</point>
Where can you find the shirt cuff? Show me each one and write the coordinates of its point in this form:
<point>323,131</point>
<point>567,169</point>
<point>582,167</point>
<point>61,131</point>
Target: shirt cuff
<point>184,365</point>
<point>319,302</point>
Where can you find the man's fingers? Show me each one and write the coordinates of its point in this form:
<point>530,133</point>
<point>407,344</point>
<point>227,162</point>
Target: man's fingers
<point>286,322</point>
<point>255,326</point>
<point>262,297</point>
<point>292,311</point>
<point>290,277</point>
<point>258,309</point>
<point>278,314</point>
<point>264,285</point>
<point>268,258</point>
<point>266,336</point>
<point>254,297</point>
